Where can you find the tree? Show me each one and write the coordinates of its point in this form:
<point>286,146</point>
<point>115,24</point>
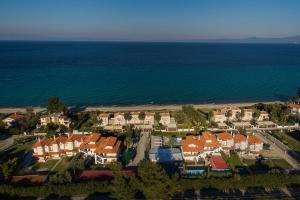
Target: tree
<point>55,105</point>
<point>255,115</point>
<point>61,178</point>
<point>142,116</point>
<point>228,114</point>
<point>209,115</point>
<point>77,163</point>
<point>9,167</point>
<point>154,183</point>
<point>127,116</point>
<point>157,117</point>
<point>122,187</point>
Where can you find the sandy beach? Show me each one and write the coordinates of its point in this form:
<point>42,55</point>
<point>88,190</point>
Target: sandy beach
<point>143,107</point>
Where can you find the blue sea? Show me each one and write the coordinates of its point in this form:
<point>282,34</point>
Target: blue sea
<point>131,73</point>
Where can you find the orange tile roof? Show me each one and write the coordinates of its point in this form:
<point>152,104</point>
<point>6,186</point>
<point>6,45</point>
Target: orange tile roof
<point>15,116</point>
<point>294,105</point>
<point>75,137</point>
<point>218,112</point>
<point>43,142</point>
<point>224,136</point>
<point>210,140</point>
<point>253,140</point>
<point>149,113</point>
<point>238,138</point>
<point>108,145</point>
<point>192,144</point>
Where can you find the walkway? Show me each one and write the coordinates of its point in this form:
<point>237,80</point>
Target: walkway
<point>141,148</point>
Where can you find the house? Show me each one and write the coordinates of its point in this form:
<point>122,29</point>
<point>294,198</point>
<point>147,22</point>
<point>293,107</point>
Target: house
<point>149,118</point>
<point>248,114</point>
<point>240,143</point>
<point>107,150</point>
<point>13,119</point>
<point>266,124</point>
<point>235,111</point>
<point>294,107</point>
<point>55,118</point>
<point>196,147</point>
<point>165,118</point>
<point>172,126</point>
<point>104,117</point>
<point>134,118</point>
<point>255,145</point>
<point>118,119</point>
<point>219,116</point>
<point>103,149</point>
<point>226,141</point>
<point>264,116</point>
<point>222,125</point>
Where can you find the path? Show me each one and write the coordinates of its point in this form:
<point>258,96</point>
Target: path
<point>284,151</point>
<point>141,148</point>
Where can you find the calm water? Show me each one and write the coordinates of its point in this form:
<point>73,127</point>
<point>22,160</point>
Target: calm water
<point>144,73</point>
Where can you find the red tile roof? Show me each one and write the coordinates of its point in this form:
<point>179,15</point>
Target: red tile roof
<point>224,136</point>
<point>254,140</point>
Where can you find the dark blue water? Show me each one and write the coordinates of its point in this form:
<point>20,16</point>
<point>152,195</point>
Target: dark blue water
<point>142,73</point>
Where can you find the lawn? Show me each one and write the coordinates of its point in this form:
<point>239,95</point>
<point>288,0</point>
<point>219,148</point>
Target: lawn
<point>267,164</point>
<point>233,160</point>
<point>63,165</point>
<point>288,140</point>
<point>44,166</point>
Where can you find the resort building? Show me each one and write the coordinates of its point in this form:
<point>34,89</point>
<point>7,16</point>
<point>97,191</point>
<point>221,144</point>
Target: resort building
<point>240,143</point>
<point>294,107</point>
<point>237,125</point>
<point>149,118</point>
<point>266,124</point>
<point>248,114</point>
<point>55,118</point>
<point>13,119</point>
<point>226,141</point>
<point>165,118</point>
<point>103,149</point>
<point>198,147</point>
<point>219,116</point>
<point>134,118</point>
<point>255,145</point>
<point>264,116</point>
<point>104,117</point>
<point>235,111</point>
<point>118,119</point>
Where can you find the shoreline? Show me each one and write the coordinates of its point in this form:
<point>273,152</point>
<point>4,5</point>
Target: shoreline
<point>170,107</point>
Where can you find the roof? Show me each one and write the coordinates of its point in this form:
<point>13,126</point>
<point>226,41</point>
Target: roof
<point>94,174</point>
<point>253,140</point>
<point>218,163</point>
<point>104,115</point>
<point>224,136</point>
<point>165,114</point>
<point>192,144</point>
<point>238,138</point>
<point>107,145</point>
<point>294,105</point>
<point>218,112</point>
<point>75,137</point>
<point>248,110</point>
<point>29,179</point>
<point>43,142</point>
<point>210,140</point>
<point>264,112</point>
<point>118,113</point>
<point>135,113</point>
<point>15,116</point>
<point>149,114</point>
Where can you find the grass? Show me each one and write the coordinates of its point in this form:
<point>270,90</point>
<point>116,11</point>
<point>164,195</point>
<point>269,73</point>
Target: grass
<point>44,166</point>
<point>63,165</point>
<point>233,160</point>
<point>267,164</point>
<point>288,140</point>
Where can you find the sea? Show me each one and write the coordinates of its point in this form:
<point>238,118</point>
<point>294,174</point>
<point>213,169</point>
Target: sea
<point>140,73</point>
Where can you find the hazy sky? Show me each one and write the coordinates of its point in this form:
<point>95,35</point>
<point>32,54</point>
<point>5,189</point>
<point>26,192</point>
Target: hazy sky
<point>147,19</point>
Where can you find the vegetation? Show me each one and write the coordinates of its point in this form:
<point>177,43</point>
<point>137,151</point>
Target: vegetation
<point>9,167</point>
<point>288,140</point>
<point>190,117</point>
<point>55,105</point>
<point>60,178</point>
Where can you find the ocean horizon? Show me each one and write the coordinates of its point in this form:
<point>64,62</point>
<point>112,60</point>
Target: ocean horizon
<point>141,73</point>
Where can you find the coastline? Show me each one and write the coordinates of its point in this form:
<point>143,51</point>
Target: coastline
<point>170,107</point>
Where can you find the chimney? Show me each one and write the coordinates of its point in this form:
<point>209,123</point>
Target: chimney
<point>53,137</point>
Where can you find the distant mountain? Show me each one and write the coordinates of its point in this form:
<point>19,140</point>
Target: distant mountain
<point>283,40</point>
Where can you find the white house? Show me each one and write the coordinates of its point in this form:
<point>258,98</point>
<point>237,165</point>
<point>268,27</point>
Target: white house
<point>118,119</point>
<point>248,114</point>
<point>264,116</point>
<point>219,116</point>
<point>165,118</point>
<point>149,118</point>
<point>104,117</point>
<point>134,118</point>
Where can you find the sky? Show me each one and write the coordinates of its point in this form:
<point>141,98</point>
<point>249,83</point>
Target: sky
<point>147,20</point>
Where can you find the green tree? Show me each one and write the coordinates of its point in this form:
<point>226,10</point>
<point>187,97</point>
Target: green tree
<point>127,116</point>
<point>61,178</point>
<point>55,105</point>
<point>9,167</point>
<point>154,183</point>
<point>157,117</point>
<point>142,116</point>
<point>77,163</point>
<point>121,187</point>
<point>228,114</point>
<point>255,115</point>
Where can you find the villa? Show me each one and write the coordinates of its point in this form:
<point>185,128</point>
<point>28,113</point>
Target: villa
<point>248,114</point>
<point>240,143</point>
<point>134,118</point>
<point>198,147</point>
<point>255,145</point>
<point>165,118</point>
<point>219,116</point>
<point>149,118</point>
<point>235,111</point>
<point>104,117</point>
<point>118,119</point>
<point>55,118</point>
<point>103,149</point>
<point>294,107</point>
<point>13,119</point>
<point>264,116</point>
<point>226,141</point>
